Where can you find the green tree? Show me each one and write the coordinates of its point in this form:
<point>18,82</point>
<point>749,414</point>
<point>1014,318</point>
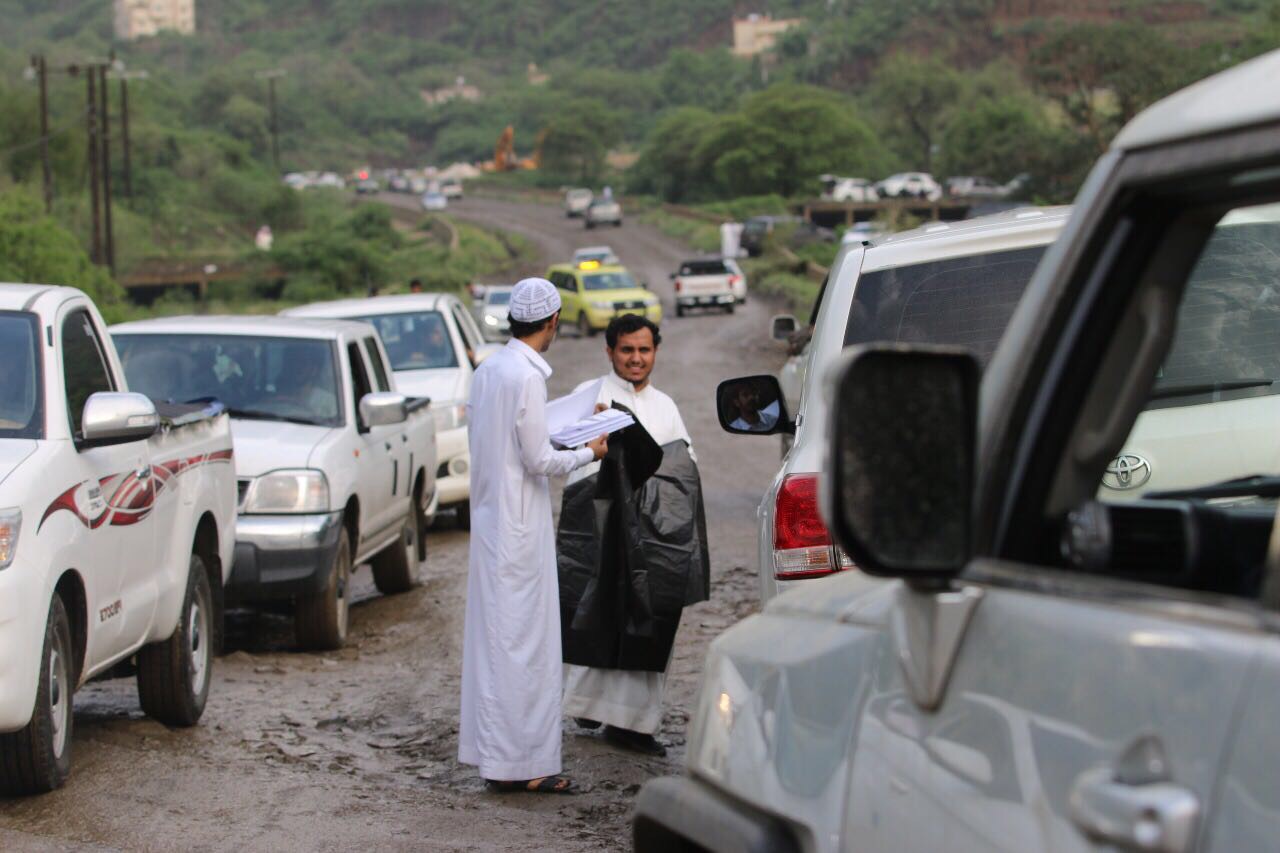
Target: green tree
<point>913,96</point>
<point>666,166</point>
<point>34,248</point>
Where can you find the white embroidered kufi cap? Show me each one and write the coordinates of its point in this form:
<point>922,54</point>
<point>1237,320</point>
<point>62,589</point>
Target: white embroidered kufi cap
<point>533,299</point>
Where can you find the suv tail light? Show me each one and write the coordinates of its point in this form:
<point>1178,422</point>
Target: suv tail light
<point>678,285</point>
<point>802,546</point>
<point>733,279</point>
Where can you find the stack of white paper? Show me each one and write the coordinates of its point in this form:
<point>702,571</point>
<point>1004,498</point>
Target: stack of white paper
<point>591,427</point>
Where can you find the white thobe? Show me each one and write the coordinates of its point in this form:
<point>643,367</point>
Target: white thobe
<point>511,661</point>
<point>624,698</point>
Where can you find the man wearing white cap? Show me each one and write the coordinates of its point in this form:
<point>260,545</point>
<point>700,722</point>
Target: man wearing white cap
<point>511,657</point>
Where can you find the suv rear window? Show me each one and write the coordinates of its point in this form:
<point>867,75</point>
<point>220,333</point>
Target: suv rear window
<point>960,301</point>
<point>703,268</point>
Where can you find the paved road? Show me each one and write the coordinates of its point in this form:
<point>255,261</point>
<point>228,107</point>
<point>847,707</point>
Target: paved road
<point>357,748</point>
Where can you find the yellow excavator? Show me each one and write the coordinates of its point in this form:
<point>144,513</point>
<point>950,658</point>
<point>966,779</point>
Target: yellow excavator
<point>504,154</point>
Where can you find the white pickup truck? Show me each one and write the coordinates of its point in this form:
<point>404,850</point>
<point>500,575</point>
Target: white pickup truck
<point>115,533</point>
<point>706,283</point>
<point>334,466</point>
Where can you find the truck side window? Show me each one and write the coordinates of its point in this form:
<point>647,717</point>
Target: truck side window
<point>469,337</point>
<point>84,370</point>
<point>379,369</point>
<point>359,378</point>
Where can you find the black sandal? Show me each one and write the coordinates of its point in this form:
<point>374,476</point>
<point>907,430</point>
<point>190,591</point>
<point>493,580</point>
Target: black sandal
<point>545,785</point>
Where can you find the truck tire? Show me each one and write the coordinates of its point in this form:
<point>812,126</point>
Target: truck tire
<point>463,511</point>
<point>37,759</point>
<point>584,325</point>
<point>728,308</point>
<point>679,310</point>
<point>320,620</point>
<point>174,675</point>
<point>395,569</point>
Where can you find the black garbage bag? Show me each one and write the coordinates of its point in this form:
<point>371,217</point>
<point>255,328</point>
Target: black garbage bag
<point>632,552</point>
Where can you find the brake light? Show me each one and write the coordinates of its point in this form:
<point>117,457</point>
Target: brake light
<point>678,285</point>
<point>733,279</point>
<point>802,546</point>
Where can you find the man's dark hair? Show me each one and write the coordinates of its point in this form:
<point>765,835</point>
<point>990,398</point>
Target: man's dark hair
<point>521,329</point>
<point>415,283</point>
<point>626,324</point>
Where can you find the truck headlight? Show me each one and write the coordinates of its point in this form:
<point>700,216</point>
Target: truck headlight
<point>650,301</point>
<point>10,526</point>
<point>450,415</point>
<point>490,320</point>
<point>602,306</point>
<point>295,491</point>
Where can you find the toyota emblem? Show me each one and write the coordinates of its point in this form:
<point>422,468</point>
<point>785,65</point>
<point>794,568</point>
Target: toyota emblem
<point>1127,471</point>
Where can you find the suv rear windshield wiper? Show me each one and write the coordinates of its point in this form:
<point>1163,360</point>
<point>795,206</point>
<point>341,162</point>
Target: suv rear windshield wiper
<point>1256,486</point>
<point>1167,391</point>
<point>257,415</point>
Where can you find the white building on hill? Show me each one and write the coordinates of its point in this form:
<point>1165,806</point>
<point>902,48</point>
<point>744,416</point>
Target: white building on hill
<point>140,18</point>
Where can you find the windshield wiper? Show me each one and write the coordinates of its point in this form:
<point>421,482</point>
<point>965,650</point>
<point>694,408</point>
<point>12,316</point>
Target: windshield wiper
<point>257,415</point>
<point>1255,486</point>
<point>1207,388</point>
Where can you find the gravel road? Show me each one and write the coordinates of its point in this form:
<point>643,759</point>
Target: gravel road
<point>357,749</point>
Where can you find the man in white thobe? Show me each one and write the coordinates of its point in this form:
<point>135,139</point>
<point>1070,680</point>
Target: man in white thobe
<point>628,703</point>
<point>511,656</point>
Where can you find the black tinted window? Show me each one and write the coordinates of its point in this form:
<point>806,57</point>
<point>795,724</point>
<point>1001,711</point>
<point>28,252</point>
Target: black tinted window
<point>703,268</point>
<point>962,301</point>
<point>83,369</point>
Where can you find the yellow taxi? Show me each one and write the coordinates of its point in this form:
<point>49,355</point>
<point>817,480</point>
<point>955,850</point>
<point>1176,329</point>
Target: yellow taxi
<point>593,293</point>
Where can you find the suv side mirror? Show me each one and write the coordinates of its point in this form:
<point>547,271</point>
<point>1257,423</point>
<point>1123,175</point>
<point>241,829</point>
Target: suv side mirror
<point>753,405</point>
<point>117,418</point>
<point>383,408</point>
<point>783,326</point>
<point>898,485</point>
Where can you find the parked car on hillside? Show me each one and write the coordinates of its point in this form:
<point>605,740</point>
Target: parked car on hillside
<point>576,201</point>
<point>941,284</point>
<point>837,188</point>
<point>757,230</point>
<point>115,534</point>
<point>919,185</point>
<point>451,188</point>
<point>434,200</point>
<point>334,466</point>
<point>976,187</point>
<point>1020,666</point>
<point>434,346</point>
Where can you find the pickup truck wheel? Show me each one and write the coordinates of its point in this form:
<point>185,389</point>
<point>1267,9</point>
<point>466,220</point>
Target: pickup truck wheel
<point>37,759</point>
<point>173,676</point>
<point>395,569</point>
<point>728,309</point>
<point>584,325</point>
<point>679,310</point>
<point>463,511</point>
<point>320,620</point>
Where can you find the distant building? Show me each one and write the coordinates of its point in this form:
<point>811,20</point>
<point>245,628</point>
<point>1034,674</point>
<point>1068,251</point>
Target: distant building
<point>461,90</point>
<point>756,34</point>
<point>141,18</point>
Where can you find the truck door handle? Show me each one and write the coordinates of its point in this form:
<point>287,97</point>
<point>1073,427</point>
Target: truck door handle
<point>388,445</point>
<point>1136,807</point>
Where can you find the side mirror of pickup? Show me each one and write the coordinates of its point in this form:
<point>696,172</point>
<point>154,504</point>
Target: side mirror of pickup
<point>898,484</point>
<point>117,418</point>
<point>383,408</point>
<point>753,405</point>
<point>783,326</point>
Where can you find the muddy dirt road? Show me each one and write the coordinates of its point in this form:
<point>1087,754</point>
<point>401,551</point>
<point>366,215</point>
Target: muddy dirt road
<point>357,749</point>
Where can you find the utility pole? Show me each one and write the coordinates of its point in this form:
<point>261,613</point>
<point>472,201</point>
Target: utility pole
<point>271,76</point>
<point>105,138</point>
<point>91,78</point>
<point>41,72</point>
<point>124,77</point>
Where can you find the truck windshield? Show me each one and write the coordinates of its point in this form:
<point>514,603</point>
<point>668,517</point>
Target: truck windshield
<point>608,281</point>
<point>260,378</point>
<point>21,397</point>
<point>1225,346</point>
<point>416,340</point>
<point>960,301</point>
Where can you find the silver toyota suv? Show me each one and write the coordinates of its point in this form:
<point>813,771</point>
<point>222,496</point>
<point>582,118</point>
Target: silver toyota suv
<point>943,284</point>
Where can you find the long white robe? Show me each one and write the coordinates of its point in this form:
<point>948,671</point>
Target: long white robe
<point>511,660</point>
<point>626,699</point>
